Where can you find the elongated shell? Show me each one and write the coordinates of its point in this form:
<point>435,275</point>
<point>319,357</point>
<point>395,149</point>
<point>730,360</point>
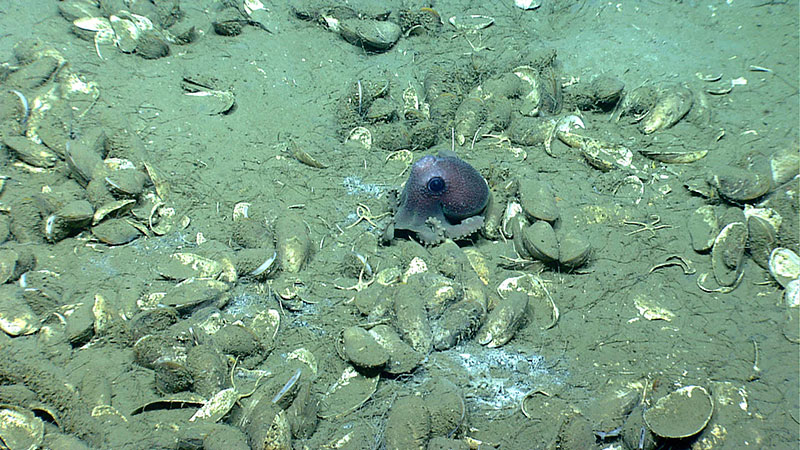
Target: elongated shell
<point>504,320</point>
<point>671,106</point>
<point>458,322</point>
<point>293,243</point>
<point>728,252</point>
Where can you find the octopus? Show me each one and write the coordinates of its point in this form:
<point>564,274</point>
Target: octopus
<point>444,198</point>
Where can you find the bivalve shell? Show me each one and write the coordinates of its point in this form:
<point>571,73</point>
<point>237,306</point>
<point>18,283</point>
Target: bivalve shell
<point>70,219</point>
<point>126,33</point>
<point>347,394</point>
<point>126,183</point>
<point>762,233</point>
<point>411,318</point>
<point>573,251</point>
<point>541,242</point>
<point>504,320</point>
<point>728,252</point>
<point>784,165</point>
<point>361,348</point>
<point>83,160</point>
<point>182,266</point>
<point>672,104</point>
<point>293,243</point>
<point>402,358</point>
<point>531,100</point>
<point>791,296</point>
<point>409,424</point>
<point>375,35</point>
<point>537,200</point>
<point>191,293</point>
<point>14,262</point>
<point>115,232</point>
<point>471,22</point>
<point>469,116</point>
<point>681,413</point>
<point>458,322</point>
<point>784,265</point>
<point>20,428</point>
<point>30,152</point>
<point>16,317</point>
<point>739,185</point>
<point>703,228</point>
<point>113,209</point>
<point>268,428</point>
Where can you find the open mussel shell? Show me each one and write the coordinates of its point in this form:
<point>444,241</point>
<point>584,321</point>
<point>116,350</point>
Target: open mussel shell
<point>20,428</point>
<point>728,252</point>
<point>681,413</point>
<point>784,265</point>
<point>531,99</point>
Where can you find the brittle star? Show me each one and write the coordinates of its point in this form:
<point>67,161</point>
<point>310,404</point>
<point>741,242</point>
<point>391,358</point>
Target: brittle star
<point>364,213</point>
<point>360,285</point>
<point>652,227</point>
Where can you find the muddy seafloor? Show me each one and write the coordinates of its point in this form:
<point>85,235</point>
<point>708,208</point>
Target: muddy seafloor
<point>624,336</point>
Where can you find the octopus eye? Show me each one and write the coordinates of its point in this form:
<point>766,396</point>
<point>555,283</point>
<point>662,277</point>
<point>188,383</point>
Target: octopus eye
<point>436,185</point>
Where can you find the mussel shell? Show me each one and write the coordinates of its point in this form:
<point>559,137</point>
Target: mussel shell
<point>681,413</point>
<point>762,240</point>
<point>402,358</point>
<point>408,424</point>
<point>573,251</point>
<point>784,165</point>
<point>703,228</point>
<point>504,320</point>
<point>361,348</point>
<point>376,35</point>
<point>541,242</point>
<point>784,265</point>
<point>538,200</point>
<point>728,252</point>
<point>68,220</point>
<point>458,322</point>
<point>115,232</point>
<point>125,183</point>
<point>739,185</point>
<point>293,243</point>
<point>411,318</point>
<point>30,152</point>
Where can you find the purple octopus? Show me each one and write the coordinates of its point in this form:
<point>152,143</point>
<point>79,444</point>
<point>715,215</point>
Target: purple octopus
<point>444,198</point>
